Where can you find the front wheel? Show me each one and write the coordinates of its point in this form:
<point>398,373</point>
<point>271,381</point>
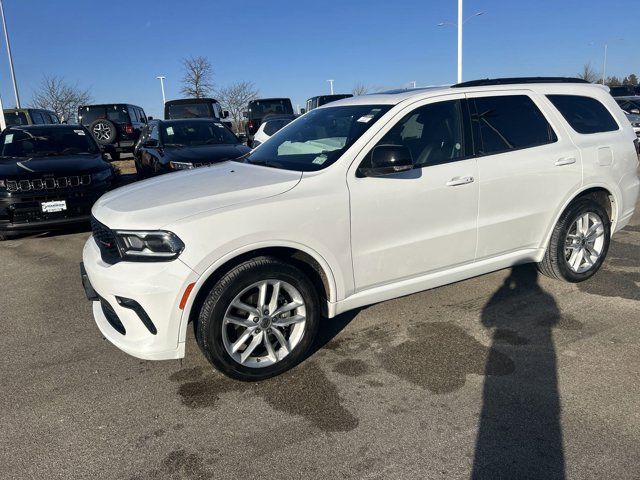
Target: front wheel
<point>579,242</point>
<point>259,320</point>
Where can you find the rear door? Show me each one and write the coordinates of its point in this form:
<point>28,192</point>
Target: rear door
<point>527,165</point>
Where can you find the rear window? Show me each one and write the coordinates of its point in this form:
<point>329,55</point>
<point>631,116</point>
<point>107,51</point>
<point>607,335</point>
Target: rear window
<point>260,108</point>
<point>114,113</point>
<point>584,114</point>
<point>509,122</point>
<point>15,118</point>
<point>188,110</point>
<point>272,126</point>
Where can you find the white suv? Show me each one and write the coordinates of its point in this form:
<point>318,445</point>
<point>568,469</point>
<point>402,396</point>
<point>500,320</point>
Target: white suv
<point>361,201</point>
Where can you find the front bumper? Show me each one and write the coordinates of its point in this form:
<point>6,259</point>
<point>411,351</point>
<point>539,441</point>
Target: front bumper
<point>157,287</point>
<point>23,212</point>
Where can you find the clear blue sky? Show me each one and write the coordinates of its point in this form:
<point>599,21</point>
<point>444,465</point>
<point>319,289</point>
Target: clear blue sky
<point>290,48</point>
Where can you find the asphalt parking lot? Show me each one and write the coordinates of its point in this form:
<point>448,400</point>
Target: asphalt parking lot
<point>508,375</point>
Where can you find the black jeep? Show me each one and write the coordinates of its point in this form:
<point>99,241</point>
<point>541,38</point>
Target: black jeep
<point>115,126</point>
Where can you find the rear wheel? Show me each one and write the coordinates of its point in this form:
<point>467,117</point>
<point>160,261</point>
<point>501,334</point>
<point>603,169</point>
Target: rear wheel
<point>259,320</point>
<point>579,242</point>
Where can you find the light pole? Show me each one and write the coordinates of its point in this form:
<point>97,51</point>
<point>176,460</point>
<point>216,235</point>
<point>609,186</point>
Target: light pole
<point>161,78</point>
<point>6,39</point>
<point>459,25</point>
<point>604,63</point>
<point>330,86</point>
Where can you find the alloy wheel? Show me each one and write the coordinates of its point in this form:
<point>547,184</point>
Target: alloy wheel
<point>264,323</point>
<point>101,131</point>
<point>584,242</point>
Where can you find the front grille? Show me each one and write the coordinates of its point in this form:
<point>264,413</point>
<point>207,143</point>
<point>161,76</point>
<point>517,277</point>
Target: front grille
<point>106,241</point>
<point>48,183</point>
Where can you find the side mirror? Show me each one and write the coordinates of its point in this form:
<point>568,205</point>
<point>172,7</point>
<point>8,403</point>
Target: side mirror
<point>245,114</point>
<point>303,111</point>
<point>105,157</point>
<point>149,118</point>
<point>388,159</point>
<point>225,114</point>
<point>150,143</point>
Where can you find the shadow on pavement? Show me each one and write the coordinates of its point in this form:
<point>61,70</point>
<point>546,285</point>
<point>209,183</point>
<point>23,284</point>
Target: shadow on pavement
<point>520,435</point>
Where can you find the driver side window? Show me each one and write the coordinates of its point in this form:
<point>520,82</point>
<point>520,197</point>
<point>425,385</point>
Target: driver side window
<point>433,134</point>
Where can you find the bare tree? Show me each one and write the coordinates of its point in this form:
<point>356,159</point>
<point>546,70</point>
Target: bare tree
<point>54,93</point>
<point>198,77</point>
<point>235,98</point>
<point>588,73</point>
<point>360,89</point>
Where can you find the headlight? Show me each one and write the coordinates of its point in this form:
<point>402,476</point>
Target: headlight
<point>143,245</point>
<point>102,175</point>
<point>180,165</point>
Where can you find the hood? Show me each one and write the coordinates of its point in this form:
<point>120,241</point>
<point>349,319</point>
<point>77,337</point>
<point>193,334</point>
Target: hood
<point>205,153</point>
<point>154,203</point>
<point>21,167</point>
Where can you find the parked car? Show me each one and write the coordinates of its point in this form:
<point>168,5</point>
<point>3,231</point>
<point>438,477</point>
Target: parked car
<point>170,145</point>
<point>631,106</point>
<point>197,108</point>
<point>29,116</point>
<point>115,126</point>
<point>258,109</point>
<point>269,126</point>
<point>50,176</point>
<point>320,100</point>
<point>357,202</point>
<point>623,90</point>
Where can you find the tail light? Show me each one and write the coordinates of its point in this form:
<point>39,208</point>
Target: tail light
<point>128,129</point>
<point>250,124</point>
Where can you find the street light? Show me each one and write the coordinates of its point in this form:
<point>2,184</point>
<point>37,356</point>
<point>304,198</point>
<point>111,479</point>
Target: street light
<point>459,25</point>
<point>331,85</point>
<point>6,39</point>
<point>604,64</point>
<point>161,78</point>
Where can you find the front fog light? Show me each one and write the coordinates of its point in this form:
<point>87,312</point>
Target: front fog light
<point>144,245</point>
<point>180,165</point>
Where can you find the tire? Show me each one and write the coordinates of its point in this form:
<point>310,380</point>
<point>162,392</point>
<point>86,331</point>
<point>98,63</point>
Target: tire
<point>103,131</point>
<point>217,336</point>
<point>115,155</point>
<point>559,261</point>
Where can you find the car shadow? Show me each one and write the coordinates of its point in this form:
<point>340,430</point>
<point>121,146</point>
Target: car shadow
<point>520,434</point>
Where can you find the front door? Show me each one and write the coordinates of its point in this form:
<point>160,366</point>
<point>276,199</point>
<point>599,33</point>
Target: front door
<point>407,224</point>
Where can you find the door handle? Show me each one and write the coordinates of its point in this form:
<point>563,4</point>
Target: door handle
<point>455,181</point>
<point>565,161</point>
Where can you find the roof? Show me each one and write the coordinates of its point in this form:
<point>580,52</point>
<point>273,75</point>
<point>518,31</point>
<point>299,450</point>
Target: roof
<point>107,104</point>
<point>191,100</point>
<point>394,97</point>
<point>45,125</point>
<point>269,99</point>
<point>184,120</point>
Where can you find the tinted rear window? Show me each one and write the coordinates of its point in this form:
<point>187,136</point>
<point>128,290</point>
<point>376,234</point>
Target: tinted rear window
<point>189,110</point>
<point>15,118</point>
<point>260,108</point>
<point>584,114</point>
<point>113,113</point>
<point>509,122</point>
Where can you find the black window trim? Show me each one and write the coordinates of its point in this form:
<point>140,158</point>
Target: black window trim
<point>476,133</point>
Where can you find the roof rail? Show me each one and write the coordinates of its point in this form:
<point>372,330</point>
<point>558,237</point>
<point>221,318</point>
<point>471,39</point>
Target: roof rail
<point>516,80</point>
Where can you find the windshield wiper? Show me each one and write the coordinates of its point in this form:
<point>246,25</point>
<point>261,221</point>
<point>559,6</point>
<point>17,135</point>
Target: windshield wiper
<point>174,145</point>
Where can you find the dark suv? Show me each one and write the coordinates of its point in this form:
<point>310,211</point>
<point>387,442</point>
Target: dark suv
<point>258,109</point>
<point>115,126</point>
<point>196,108</point>
<point>315,102</point>
<point>50,176</point>
<point>29,116</point>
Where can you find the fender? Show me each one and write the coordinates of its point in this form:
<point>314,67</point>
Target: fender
<point>615,209</point>
<point>328,271</point>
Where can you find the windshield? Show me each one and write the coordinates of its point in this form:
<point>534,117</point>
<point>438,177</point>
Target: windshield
<point>192,134</point>
<point>189,110</point>
<point>46,142</point>
<point>260,108</point>
<point>15,118</point>
<point>317,139</point>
